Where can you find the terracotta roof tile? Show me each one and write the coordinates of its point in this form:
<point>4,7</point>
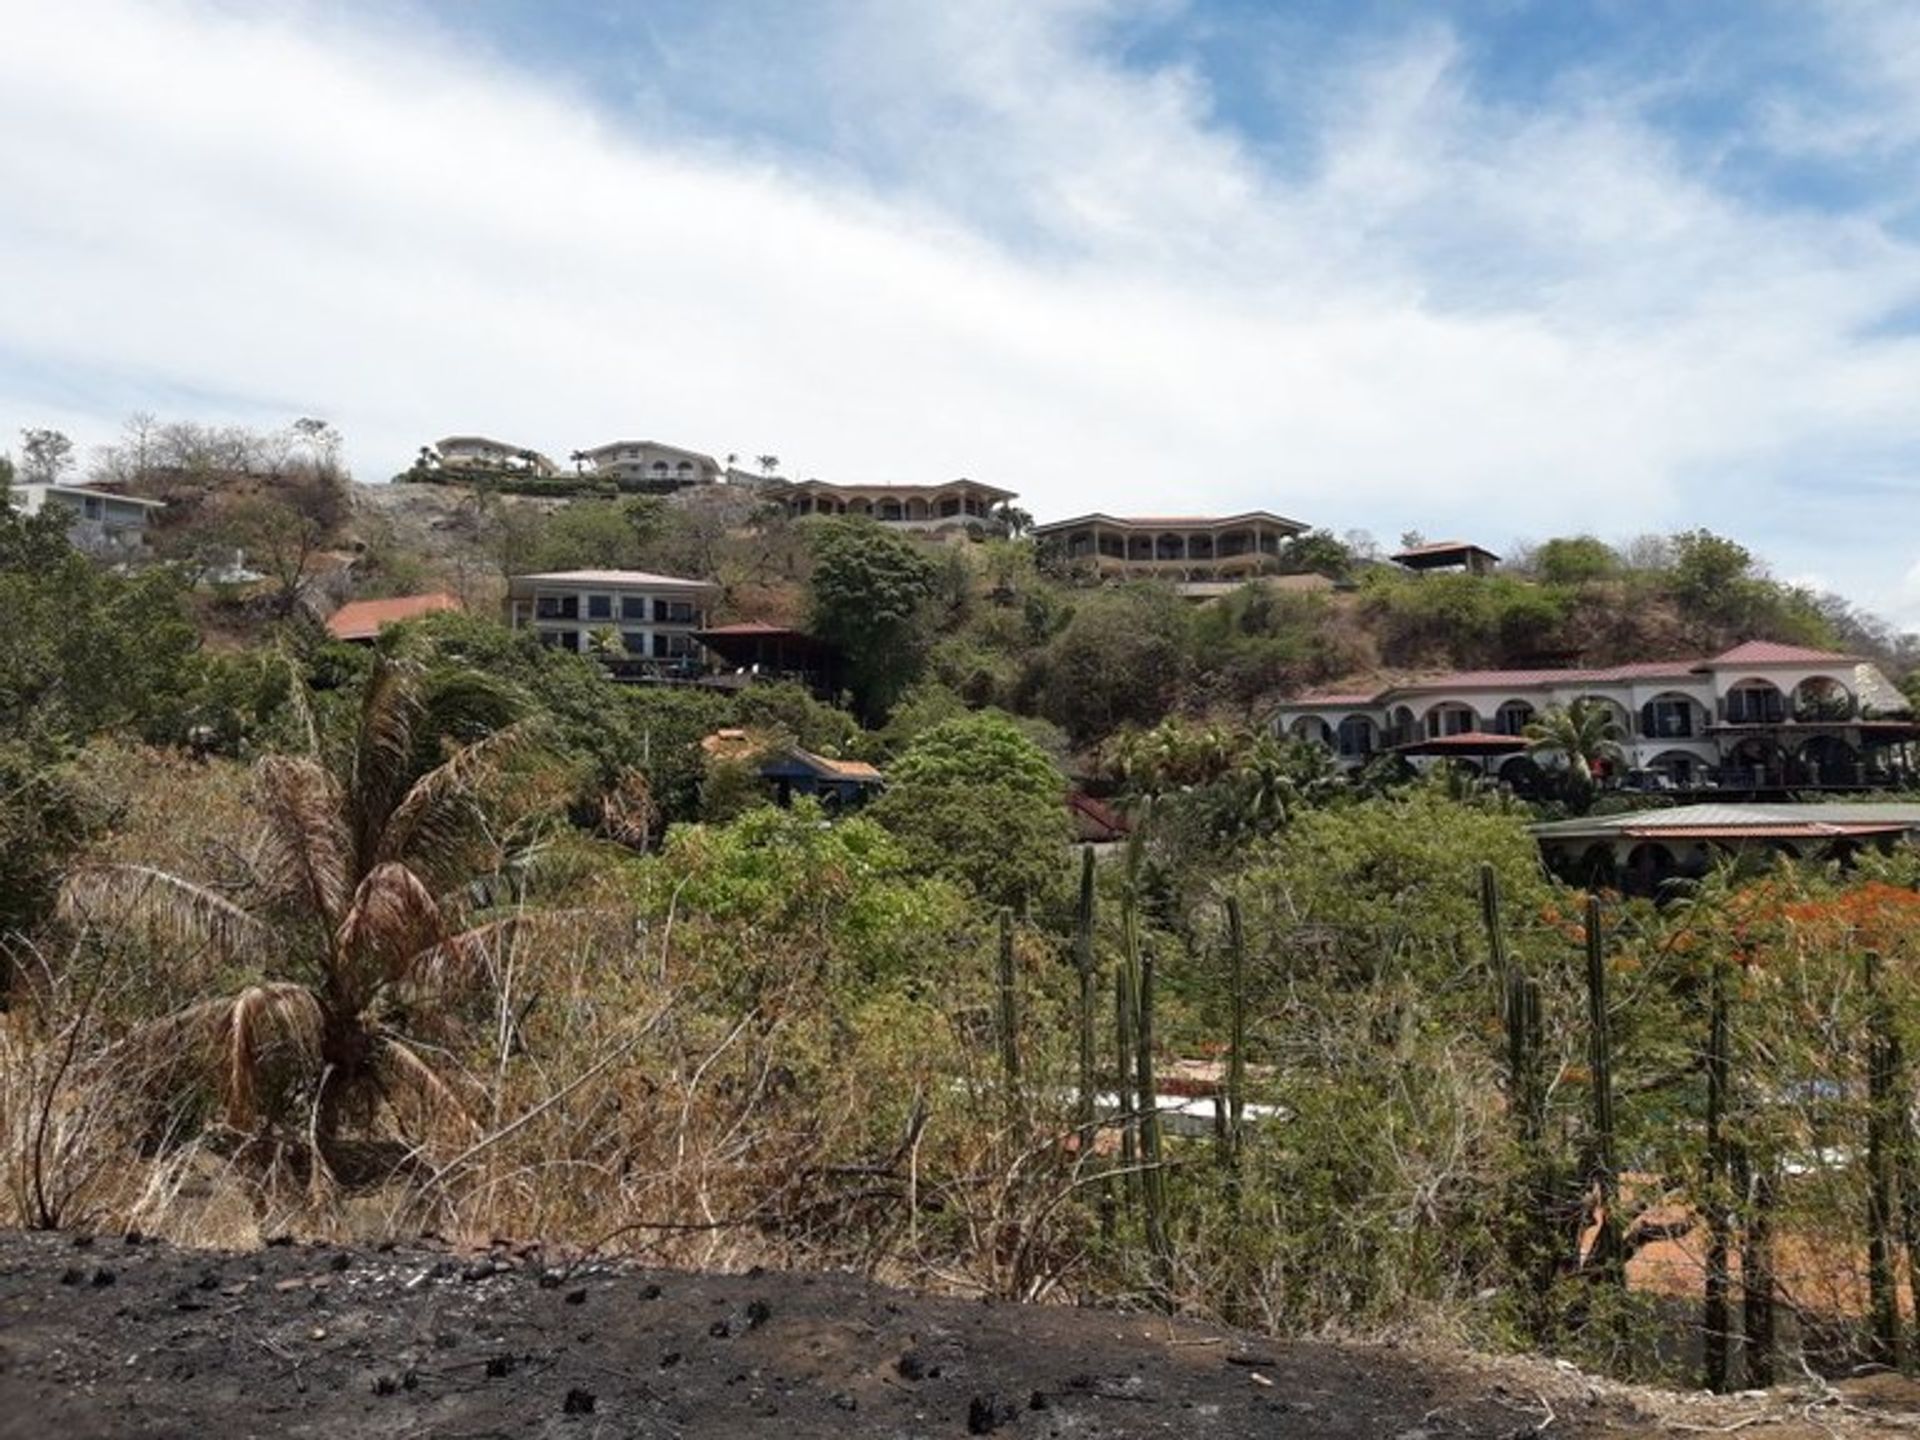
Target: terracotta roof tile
<point>364,619</point>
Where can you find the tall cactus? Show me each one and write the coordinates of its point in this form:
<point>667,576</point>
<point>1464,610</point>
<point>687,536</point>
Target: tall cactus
<point>1496,935</point>
<point>1716,1318</point>
<point>1237,1034</point>
<point>1883,1058</point>
<point>1009,1016</point>
<point>1089,983</point>
<point>1607,1245</point>
<point>1153,1188</point>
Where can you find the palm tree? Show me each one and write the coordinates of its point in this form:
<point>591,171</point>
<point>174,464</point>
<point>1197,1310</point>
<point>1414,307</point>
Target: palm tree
<point>1583,735</point>
<point>353,913</point>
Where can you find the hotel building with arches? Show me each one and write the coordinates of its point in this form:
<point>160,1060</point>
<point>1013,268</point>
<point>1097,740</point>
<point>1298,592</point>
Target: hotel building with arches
<point>1761,717</point>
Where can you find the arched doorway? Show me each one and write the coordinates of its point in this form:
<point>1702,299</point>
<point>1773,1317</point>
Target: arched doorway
<point>1829,760</point>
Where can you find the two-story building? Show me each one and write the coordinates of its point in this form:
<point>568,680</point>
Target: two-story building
<point>651,466</point>
<point>956,506</point>
<point>641,626</point>
<point>1759,717</point>
<point>477,452</point>
<point>1180,548</point>
<point>100,522</point>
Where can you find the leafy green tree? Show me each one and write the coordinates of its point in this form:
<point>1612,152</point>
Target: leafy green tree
<point>599,535</point>
<point>975,800</point>
<point>1317,552</point>
<point>870,595</point>
<point>83,649</point>
<point>601,730</point>
<point>1575,560</point>
<point>1118,662</point>
<point>1707,568</point>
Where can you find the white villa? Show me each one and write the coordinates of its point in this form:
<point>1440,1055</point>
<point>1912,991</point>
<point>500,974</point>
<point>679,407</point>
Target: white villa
<point>647,464</point>
<point>477,452</point>
<point>957,505</point>
<point>1761,716</point>
<point>654,618</point>
<point>102,523</point>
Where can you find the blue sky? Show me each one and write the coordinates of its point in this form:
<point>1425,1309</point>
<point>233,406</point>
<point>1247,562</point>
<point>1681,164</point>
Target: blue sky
<point>1501,270</point>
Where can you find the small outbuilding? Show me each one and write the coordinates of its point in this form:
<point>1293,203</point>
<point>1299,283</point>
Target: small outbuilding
<point>360,622</point>
<point>1455,555</point>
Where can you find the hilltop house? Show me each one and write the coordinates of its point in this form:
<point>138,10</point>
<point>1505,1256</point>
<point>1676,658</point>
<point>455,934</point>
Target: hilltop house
<point>477,452</point>
<point>1760,717</point>
<point>1189,548</point>
<point>101,523</point>
<point>642,626</point>
<point>649,465</point>
<point>1455,555</point>
<point>957,505</point>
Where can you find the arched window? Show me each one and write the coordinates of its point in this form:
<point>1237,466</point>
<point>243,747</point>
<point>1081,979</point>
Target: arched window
<point>1756,702</point>
<point>1357,737</point>
<point>1400,729</point>
<point>1450,717</point>
<point>1669,716</point>
<point>1512,718</point>
<point>1822,698</point>
<point>1312,729</point>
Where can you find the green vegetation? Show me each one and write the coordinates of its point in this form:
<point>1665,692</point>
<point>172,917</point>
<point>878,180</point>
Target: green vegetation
<point>452,930</point>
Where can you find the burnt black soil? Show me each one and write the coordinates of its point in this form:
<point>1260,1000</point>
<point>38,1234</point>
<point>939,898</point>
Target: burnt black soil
<point>101,1337</point>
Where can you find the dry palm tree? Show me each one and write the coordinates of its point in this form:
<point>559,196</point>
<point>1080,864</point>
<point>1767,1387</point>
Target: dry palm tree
<point>351,914</point>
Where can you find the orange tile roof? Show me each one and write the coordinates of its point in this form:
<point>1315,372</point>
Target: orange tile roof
<point>364,619</point>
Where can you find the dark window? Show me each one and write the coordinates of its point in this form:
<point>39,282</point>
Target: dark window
<point>557,607</point>
<point>633,607</point>
<point>599,607</point>
<point>673,612</point>
<point>635,641</point>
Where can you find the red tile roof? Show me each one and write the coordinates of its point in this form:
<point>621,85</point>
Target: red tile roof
<point>364,619</point>
<point>1770,652</point>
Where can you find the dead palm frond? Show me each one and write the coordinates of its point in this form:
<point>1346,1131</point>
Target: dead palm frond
<point>173,910</point>
<point>306,860</point>
<point>350,872</point>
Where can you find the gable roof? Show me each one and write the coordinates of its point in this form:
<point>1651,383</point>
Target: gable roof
<point>1170,522</point>
<point>592,451</point>
<point>638,578</point>
<point>365,619</point>
<point>1771,652</point>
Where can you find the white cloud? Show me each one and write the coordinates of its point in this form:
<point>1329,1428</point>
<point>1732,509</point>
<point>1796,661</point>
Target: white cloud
<point>1067,278</point>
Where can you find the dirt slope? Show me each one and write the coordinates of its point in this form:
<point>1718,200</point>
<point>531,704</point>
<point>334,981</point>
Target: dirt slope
<point>101,1337</point>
